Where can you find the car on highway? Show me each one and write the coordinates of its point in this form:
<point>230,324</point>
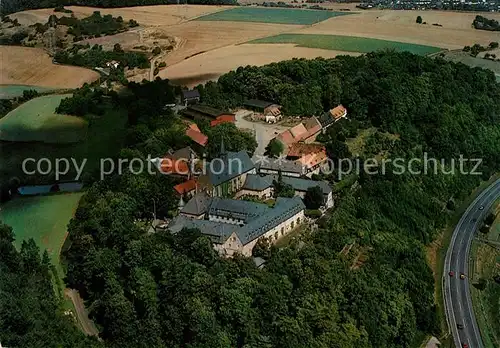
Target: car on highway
<point>481,208</point>
<point>460,326</point>
<point>451,274</point>
<point>465,345</point>
<point>462,276</point>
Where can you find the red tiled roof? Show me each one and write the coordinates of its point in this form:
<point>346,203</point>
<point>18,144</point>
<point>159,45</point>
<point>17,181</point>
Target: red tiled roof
<point>312,123</point>
<point>223,119</point>
<point>313,159</point>
<point>338,112</point>
<point>170,165</point>
<point>298,131</point>
<point>186,186</point>
<point>286,138</point>
<point>312,131</point>
<point>197,136</point>
<point>194,127</point>
<point>300,149</point>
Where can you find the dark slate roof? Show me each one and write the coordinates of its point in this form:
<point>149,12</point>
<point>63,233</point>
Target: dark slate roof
<point>184,153</point>
<point>232,165</point>
<point>299,184</point>
<point>259,262</point>
<point>192,94</point>
<point>326,119</point>
<point>255,182</point>
<point>269,218</point>
<point>237,209</point>
<point>256,103</point>
<point>217,231</point>
<point>283,209</point>
<point>258,183</point>
<point>204,110</point>
<point>283,165</point>
<point>197,205</point>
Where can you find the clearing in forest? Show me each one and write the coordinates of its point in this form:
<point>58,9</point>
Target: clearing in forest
<point>36,120</point>
<point>43,218</point>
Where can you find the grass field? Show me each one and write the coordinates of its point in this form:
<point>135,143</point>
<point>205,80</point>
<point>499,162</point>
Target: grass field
<point>104,139</point>
<point>36,120</point>
<point>12,91</point>
<point>486,302</point>
<point>43,218</point>
<point>272,15</point>
<point>346,43</point>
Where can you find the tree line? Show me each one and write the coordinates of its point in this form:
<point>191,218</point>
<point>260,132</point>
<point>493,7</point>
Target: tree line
<point>93,26</point>
<point>484,23</point>
<point>95,56</point>
<point>11,6</point>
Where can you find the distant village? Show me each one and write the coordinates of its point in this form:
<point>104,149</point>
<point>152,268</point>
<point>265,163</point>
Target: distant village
<point>457,5</point>
<point>238,205</point>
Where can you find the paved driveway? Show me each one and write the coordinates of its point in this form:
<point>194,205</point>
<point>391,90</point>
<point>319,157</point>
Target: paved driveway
<point>264,132</point>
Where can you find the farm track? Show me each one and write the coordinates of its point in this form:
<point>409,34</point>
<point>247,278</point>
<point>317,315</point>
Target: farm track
<point>86,324</point>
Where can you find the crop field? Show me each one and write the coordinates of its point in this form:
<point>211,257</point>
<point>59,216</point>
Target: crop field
<point>12,91</point>
<point>32,66</point>
<point>215,63</point>
<point>197,37</point>
<point>144,15</point>
<point>271,15</point>
<point>456,30</point>
<point>36,120</point>
<point>43,218</point>
<point>346,43</point>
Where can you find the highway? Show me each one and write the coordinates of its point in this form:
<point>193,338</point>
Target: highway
<point>457,296</point>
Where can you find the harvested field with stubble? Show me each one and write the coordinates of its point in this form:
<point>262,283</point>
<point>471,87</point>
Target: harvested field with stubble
<point>197,37</point>
<point>32,66</point>
<point>456,30</point>
<point>210,65</point>
<point>144,15</point>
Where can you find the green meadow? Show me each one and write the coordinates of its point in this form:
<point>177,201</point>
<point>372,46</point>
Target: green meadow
<point>346,43</point>
<point>36,120</point>
<point>43,218</point>
<point>104,138</point>
<point>12,91</point>
<point>272,15</point>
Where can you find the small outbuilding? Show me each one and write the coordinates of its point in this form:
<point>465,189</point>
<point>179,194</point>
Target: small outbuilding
<point>190,97</point>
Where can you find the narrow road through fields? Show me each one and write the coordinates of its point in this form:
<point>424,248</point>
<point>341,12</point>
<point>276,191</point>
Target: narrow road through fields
<point>457,296</point>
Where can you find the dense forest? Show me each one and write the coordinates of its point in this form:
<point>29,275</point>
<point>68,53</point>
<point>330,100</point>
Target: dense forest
<point>30,313</point>
<point>11,6</point>
<point>159,290</point>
